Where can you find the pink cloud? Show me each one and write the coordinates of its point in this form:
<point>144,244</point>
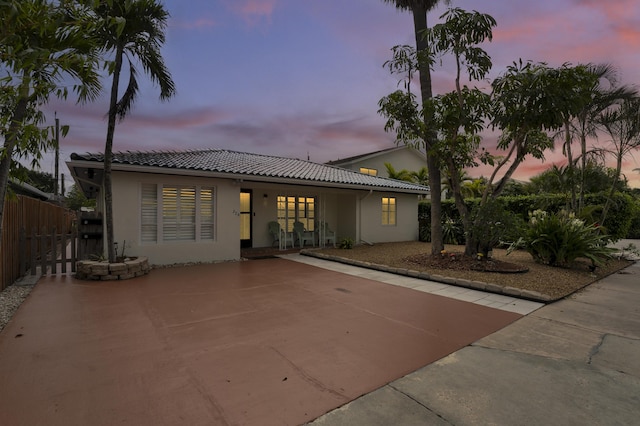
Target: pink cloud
<point>253,12</point>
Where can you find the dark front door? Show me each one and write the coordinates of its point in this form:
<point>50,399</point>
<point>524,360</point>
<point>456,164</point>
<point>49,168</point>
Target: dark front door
<point>245,218</point>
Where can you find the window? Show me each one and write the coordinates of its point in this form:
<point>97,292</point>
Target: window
<point>178,213</point>
<point>149,213</point>
<point>370,172</point>
<point>300,209</point>
<point>388,210</point>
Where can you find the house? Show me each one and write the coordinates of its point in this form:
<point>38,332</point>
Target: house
<point>203,206</point>
<point>372,163</point>
<point>23,188</point>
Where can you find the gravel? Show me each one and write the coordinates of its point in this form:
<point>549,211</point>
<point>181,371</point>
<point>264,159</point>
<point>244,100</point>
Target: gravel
<point>10,300</point>
<point>554,282</point>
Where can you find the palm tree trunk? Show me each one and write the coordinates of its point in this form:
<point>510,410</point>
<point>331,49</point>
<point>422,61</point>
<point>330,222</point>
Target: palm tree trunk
<point>583,160</point>
<point>433,163</point>
<point>10,143</point>
<point>570,165</point>
<point>108,156</point>
<point>607,204</point>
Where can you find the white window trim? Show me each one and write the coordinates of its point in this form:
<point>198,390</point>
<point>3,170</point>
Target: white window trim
<point>395,211</point>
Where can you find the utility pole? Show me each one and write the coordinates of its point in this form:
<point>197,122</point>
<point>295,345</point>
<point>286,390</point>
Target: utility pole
<point>57,135</point>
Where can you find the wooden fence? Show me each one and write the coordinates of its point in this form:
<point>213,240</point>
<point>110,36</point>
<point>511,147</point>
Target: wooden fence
<point>28,214</point>
<point>47,249</point>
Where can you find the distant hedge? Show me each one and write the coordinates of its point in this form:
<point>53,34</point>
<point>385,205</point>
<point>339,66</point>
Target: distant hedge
<point>623,219</point>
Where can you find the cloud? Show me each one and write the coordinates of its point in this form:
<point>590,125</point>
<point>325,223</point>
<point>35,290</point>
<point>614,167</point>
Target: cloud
<point>253,12</point>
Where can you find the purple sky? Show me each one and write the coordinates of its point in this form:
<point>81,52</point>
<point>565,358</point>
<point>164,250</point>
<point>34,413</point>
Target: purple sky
<point>302,78</point>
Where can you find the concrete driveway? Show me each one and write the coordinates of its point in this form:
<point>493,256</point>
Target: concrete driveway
<point>249,343</point>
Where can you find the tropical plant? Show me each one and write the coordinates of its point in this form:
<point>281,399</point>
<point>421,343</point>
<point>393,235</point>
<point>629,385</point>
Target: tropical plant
<point>623,125</point>
<point>134,32</point>
<point>76,199</point>
<point>421,177</point>
<point>460,115</point>
<point>346,243</point>
<point>576,83</point>
<point>559,239</point>
<point>421,136</point>
<point>403,174</point>
<point>46,49</point>
<point>604,93</point>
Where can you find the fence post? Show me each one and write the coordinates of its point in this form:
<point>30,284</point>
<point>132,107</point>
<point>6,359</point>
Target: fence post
<point>63,253</point>
<point>34,250</point>
<point>54,251</point>
<point>22,251</point>
<point>43,251</point>
<point>74,250</point>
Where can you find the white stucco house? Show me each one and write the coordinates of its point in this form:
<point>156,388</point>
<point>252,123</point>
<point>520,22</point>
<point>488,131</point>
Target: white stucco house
<point>203,206</point>
<point>372,163</point>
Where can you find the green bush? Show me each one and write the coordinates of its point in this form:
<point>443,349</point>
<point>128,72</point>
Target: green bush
<point>346,243</point>
<point>493,224</point>
<point>634,226</point>
<point>623,219</point>
<point>558,239</point>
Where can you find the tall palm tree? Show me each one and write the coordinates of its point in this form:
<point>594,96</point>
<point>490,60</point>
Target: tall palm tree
<point>419,9</point>
<point>134,32</point>
<point>623,125</point>
<point>604,94</point>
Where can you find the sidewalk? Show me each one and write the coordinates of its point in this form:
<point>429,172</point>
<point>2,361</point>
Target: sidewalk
<point>573,362</point>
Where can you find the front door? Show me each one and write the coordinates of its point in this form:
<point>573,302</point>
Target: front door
<point>245,218</point>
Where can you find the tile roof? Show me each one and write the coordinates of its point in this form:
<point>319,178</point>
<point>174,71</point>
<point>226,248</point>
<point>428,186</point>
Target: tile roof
<point>265,167</point>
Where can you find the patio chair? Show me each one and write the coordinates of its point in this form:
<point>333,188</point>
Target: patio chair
<point>275,232</point>
<point>325,234</point>
<point>303,235</point>
<point>280,236</point>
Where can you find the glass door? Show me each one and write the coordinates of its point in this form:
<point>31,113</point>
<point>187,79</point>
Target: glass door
<point>245,218</point>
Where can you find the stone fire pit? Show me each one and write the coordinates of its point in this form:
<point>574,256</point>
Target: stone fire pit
<point>105,271</point>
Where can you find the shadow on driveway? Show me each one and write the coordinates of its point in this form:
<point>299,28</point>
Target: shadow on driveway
<point>259,342</point>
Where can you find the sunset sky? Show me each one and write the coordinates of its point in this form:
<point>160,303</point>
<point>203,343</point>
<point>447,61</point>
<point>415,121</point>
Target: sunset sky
<point>302,78</point>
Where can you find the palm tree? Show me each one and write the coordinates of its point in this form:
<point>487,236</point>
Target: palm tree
<point>134,31</point>
<point>421,177</point>
<point>604,94</point>
<point>623,125</point>
<point>403,174</point>
<point>46,49</point>
<point>419,9</point>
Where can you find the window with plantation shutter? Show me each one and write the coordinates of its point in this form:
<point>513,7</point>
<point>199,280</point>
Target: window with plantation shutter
<point>206,214</point>
<point>179,213</point>
<point>149,222</point>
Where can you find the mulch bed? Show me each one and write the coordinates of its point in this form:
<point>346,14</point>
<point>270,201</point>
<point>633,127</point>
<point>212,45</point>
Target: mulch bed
<point>459,262</point>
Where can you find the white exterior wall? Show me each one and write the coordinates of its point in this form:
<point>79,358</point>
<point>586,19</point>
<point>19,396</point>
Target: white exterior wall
<point>400,159</point>
<point>127,220</point>
<point>373,231</point>
<point>350,213</point>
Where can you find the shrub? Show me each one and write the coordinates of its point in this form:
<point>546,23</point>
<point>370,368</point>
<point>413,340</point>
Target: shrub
<point>558,239</point>
<point>634,226</point>
<point>346,243</point>
<point>492,224</point>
